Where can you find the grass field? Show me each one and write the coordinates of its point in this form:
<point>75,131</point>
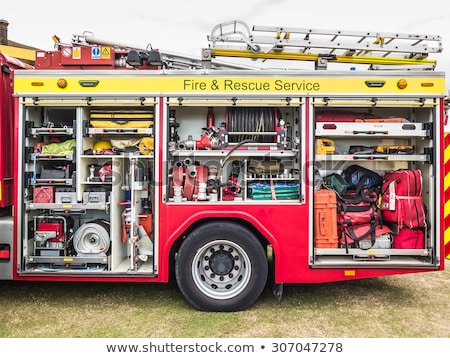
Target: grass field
<point>416,305</point>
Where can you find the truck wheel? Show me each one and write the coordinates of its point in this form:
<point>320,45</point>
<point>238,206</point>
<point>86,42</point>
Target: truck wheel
<point>221,266</point>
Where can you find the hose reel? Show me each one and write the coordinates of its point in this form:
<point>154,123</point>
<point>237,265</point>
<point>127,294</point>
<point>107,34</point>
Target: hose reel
<point>92,238</point>
<point>256,123</point>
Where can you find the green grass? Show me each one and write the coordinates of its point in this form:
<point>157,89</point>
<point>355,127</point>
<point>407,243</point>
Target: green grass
<point>416,305</point>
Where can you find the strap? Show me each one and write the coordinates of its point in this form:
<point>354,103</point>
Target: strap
<point>387,184</point>
<point>408,197</point>
<point>272,190</point>
<point>358,188</point>
<point>351,233</point>
<point>33,179</point>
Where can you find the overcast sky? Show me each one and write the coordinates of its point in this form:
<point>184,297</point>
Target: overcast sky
<point>182,26</point>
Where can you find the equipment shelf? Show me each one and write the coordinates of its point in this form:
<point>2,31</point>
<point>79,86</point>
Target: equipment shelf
<point>68,207</point>
<point>244,153</point>
<point>51,131</point>
<point>372,130</point>
<point>374,157</point>
<point>373,252</point>
<point>120,131</point>
<point>67,260</point>
<point>53,157</point>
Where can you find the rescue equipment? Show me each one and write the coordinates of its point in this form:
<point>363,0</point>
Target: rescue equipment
<point>325,218</point>
<point>365,237</point>
<point>44,194</point>
<point>232,188</point>
<point>92,238</point>
<point>125,144</point>
<point>342,116</point>
<point>273,191</point>
<point>50,237</point>
<point>321,46</point>
<point>358,216</point>
<point>147,146</point>
<point>359,178</point>
<point>381,149</point>
<point>325,146</point>
<point>409,239</point>
<point>336,182</point>
<point>63,148</point>
<point>258,124</point>
<point>119,118</point>
<point>101,146</point>
<point>401,198</point>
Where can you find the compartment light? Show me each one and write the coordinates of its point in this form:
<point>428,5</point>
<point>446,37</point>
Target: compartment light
<point>61,83</point>
<point>402,83</point>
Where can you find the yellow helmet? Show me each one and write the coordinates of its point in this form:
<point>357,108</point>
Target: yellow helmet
<point>102,145</point>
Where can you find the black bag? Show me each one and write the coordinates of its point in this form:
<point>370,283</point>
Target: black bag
<point>359,178</point>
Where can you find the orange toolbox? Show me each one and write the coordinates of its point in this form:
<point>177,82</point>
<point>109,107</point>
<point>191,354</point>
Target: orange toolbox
<point>325,219</point>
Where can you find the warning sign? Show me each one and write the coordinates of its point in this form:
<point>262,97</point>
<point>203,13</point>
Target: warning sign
<point>106,52</point>
<point>66,51</point>
<point>76,53</point>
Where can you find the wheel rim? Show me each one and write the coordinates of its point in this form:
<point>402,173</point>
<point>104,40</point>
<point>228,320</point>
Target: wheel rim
<point>221,269</point>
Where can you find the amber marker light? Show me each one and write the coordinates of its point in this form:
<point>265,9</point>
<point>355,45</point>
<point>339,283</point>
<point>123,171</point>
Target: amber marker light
<point>402,84</point>
<point>37,83</point>
<point>427,84</point>
<point>62,83</point>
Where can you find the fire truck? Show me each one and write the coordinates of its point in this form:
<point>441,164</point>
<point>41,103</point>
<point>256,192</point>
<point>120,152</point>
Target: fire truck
<point>8,65</point>
<point>137,165</point>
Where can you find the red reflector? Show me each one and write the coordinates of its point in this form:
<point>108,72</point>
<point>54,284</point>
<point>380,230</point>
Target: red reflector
<point>4,254</point>
<point>329,126</point>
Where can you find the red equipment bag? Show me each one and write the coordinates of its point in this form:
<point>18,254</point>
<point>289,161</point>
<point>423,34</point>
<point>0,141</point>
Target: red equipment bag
<point>354,235</point>
<point>409,239</point>
<point>401,198</point>
<point>358,216</point>
<point>354,209</point>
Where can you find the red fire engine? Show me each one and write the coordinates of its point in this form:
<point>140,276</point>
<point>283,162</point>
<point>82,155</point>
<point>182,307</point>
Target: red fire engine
<point>135,165</point>
<point>8,66</point>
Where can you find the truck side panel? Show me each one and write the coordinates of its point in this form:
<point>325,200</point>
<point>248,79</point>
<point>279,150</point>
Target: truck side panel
<point>6,134</point>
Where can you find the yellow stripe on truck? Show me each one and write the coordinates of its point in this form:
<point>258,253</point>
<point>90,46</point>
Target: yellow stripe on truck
<point>160,84</point>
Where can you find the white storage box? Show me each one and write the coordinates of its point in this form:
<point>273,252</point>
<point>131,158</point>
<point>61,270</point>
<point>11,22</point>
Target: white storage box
<point>381,242</point>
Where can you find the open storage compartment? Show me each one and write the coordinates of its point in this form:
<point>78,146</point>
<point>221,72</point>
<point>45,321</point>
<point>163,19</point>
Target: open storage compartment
<point>387,138</point>
<point>87,189</point>
<point>241,151</point>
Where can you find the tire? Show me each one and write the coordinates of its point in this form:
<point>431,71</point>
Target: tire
<point>221,266</point>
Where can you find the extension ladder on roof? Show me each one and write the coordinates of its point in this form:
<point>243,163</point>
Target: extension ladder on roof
<point>322,46</point>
